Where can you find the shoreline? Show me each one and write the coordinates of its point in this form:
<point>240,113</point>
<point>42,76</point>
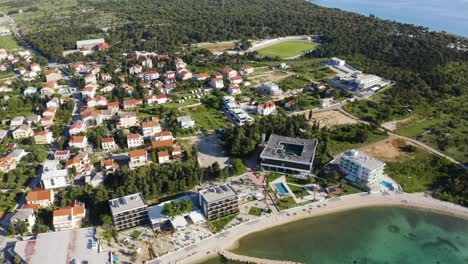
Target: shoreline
<point>229,239</point>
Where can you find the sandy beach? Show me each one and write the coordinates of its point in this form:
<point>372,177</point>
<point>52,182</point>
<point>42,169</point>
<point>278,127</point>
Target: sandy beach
<point>228,239</point>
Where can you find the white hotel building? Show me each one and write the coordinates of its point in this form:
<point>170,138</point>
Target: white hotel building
<point>361,167</point>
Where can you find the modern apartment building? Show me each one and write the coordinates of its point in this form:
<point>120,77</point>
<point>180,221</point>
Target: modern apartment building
<point>288,155</point>
<point>361,167</point>
<point>218,201</point>
<point>129,211</point>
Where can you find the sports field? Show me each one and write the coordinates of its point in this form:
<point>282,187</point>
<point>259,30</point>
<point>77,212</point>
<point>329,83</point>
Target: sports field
<point>287,49</point>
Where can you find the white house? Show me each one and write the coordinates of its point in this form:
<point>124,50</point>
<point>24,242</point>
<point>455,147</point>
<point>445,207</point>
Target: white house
<point>138,158</point>
<point>134,140</point>
<point>77,127</point>
<point>361,167</point>
<point>108,144</point>
<point>52,178</point>
<point>185,121</point>
<point>80,142</point>
<point>24,215</point>
<point>217,83</point>
<point>69,217</point>
<point>266,108</point>
<point>163,157</point>
<point>150,128</point>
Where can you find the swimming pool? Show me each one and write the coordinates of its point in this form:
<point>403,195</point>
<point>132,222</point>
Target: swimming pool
<point>387,185</point>
<point>281,188</point>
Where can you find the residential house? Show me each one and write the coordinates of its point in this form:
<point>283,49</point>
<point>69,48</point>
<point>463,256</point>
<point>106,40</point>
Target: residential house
<point>80,142</point>
<point>47,121</point>
<point>108,88</point>
<point>106,77</point>
<point>150,128</point>
<point>7,164</point>
<point>131,103</point>
<point>138,158</point>
<point>69,217</point>
<point>53,103</point>
<point>90,79</point>
<point>266,108</point>
<point>53,75</point>
<point>246,70</point>
<point>108,144</point>
<point>23,131</point>
<point>162,143</point>
<point>157,98</point>
<point>163,157</point>
<point>62,154</point>
<point>109,165</point>
<point>164,135</point>
<point>77,127</point>
<point>235,80</point>
<point>170,74</point>
<point>185,121</point>
<point>147,63</point>
<point>113,107</point>
<point>97,102</point>
<point>176,153</point>
<point>234,89</point>
<point>201,76</point>
<point>217,83</point>
<point>52,177</point>
<point>127,119</point>
<point>229,73</point>
<point>26,216</point>
<point>43,198</point>
<point>134,140</point>
<point>135,69</point>
<point>30,91</point>
<point>43,137</point>
<point>17,121</point>
<point>89,91</point>
<point>49,111</point>
<point>184,74</point>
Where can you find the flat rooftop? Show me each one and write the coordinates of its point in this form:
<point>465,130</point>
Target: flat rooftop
<point>363,159</point>
<point>218,193</point>
<point>289,149</point>
<point>127,203</point>
<point>70,246</point>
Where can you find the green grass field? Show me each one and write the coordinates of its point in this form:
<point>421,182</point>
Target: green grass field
<point>207,118</point>
<point>9,43</point>
<point>287,49</point>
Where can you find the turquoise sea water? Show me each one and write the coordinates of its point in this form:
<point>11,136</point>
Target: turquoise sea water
<point>381,235</point>
<point>448,15</point>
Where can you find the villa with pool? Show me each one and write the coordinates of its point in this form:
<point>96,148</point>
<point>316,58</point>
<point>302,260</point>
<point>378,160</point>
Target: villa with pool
<point>364,169</point>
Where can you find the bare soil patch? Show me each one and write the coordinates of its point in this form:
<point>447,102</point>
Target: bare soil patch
<point>331,118</point>
<point>389,149</point>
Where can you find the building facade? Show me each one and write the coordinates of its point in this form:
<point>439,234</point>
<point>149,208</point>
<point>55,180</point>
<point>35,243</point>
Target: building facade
<point>289,155</point>
<point>361,167</point>
<point>218,201</point>
<point>129,211</point>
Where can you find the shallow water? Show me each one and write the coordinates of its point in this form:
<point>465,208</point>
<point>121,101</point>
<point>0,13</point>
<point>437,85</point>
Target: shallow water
<point>451,15</point>
<point>378,235</point>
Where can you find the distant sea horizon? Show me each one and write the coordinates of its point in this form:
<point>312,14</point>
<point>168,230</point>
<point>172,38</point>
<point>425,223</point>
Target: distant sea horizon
<point>439,15</point>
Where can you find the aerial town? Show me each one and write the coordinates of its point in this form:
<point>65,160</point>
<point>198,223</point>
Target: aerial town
<point>131,158</point>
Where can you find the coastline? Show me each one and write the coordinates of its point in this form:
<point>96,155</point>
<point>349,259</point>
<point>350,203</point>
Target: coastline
<point>229,239</point>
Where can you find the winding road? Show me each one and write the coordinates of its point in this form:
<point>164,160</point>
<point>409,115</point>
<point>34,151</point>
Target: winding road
<point>339,107</point>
